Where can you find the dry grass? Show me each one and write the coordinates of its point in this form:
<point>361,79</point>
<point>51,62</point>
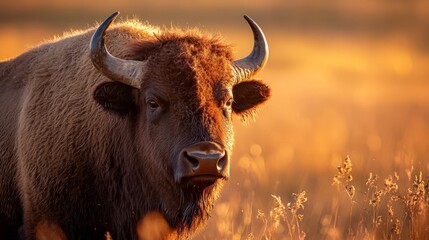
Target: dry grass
<point>387,209</point>
<point>391,209</point>
<point>281,215</point>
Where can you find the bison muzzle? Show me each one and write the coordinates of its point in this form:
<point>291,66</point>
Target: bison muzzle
<point>95,138</point>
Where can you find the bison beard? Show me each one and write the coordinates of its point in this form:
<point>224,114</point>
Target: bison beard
<point>196,202</point>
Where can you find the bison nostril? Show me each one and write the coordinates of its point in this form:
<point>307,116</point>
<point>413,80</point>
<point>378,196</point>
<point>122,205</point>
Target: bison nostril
<point>193,161</point>
<point>221,163</point>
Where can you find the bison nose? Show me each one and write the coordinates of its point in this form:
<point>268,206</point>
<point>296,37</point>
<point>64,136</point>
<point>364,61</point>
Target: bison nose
<point>206,163</point>
<point>204,159</point>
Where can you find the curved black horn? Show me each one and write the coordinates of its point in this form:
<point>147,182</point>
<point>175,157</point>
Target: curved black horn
<point>129,72</point>
<point>247,67</point>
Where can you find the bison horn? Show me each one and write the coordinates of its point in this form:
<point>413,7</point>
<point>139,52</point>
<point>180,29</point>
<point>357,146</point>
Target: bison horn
<point>129,72</point>
<point>247,67</point>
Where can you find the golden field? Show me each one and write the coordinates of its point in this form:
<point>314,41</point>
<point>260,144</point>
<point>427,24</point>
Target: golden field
<point>349,78</point>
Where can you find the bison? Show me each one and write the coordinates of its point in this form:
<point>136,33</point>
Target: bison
<point>104,126</point>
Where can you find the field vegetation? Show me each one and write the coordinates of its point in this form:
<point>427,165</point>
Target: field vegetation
<point>341,149</point>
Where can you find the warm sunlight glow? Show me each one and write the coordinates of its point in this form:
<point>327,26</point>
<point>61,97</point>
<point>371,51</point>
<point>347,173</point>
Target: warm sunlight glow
<point>348,79</point>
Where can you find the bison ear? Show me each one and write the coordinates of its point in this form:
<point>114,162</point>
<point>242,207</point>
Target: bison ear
<point>248,95</point>
<point>116,97</point>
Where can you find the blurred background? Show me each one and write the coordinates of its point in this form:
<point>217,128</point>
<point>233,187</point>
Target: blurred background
<point>349,78</point>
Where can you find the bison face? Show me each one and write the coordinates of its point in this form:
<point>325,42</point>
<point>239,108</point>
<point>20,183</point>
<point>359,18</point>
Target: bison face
<point>181,90</point>
<point>187,92</point>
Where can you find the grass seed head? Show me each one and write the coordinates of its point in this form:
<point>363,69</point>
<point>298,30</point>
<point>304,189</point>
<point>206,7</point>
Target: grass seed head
<point>372,180</point>
<point>396,227</point>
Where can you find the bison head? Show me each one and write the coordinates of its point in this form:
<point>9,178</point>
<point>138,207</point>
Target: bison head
<point>180,90</point>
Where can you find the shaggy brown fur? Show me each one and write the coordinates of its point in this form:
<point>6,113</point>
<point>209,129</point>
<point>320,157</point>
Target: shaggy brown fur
<point>89,156</point>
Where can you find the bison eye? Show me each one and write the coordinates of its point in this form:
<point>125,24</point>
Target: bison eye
<point>152,104</point>
<point>227,109</point>
<point>228,103</point>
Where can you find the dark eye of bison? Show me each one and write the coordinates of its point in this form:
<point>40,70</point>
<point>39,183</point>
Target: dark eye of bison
<point>152,104</point>
<point>228,103</point>
<point>227,109</point>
